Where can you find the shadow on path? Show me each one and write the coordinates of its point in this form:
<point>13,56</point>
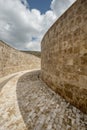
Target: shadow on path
<point>42,109</point>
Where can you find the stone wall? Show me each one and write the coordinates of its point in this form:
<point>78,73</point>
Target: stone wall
<point>12,60</point>
<point>64,55</point>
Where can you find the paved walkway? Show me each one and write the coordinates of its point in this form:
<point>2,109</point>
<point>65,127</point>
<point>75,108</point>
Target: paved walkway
<point>26,103</point>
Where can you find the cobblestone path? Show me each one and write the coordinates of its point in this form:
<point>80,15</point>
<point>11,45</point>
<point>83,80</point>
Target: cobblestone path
<point>27,103</point>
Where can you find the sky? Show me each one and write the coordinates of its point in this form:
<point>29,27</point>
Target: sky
<point>42,5</point>
<point>23,23</point>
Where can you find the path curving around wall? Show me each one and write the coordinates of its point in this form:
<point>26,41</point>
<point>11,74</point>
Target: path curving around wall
<point>64,55</point>
<point>27,103</point>
<point>12,60</point>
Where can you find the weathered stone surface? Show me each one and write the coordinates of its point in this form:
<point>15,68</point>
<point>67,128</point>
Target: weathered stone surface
<point>12,60</point>
<point>64,55</point>
<point>27,104</point>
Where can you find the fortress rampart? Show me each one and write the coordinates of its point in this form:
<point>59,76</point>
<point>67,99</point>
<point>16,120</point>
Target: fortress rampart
<point>12,60</point>
<point>64,55</point>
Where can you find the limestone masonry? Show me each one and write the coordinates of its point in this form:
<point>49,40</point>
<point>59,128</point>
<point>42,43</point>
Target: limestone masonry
<point>64,55</point>
<point>12,60</point>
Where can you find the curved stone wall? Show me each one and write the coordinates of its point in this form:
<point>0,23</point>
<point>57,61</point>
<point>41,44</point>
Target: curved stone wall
<point>12,60</point>
<point>64,55</point>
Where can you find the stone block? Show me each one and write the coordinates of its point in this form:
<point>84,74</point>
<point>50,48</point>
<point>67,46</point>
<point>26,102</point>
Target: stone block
<point>64,55</point>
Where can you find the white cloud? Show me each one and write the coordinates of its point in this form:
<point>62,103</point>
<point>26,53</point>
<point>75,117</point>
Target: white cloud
<point>24,28</point>
<point>59,6</point>
<point>32,45</point>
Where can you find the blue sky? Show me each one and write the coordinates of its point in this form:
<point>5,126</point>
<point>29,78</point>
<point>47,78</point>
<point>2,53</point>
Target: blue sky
<point>23,23</point>
<point>42,5</point>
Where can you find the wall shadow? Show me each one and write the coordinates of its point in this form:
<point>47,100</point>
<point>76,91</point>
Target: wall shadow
<point>40,107</point>
<point>27,96</point>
